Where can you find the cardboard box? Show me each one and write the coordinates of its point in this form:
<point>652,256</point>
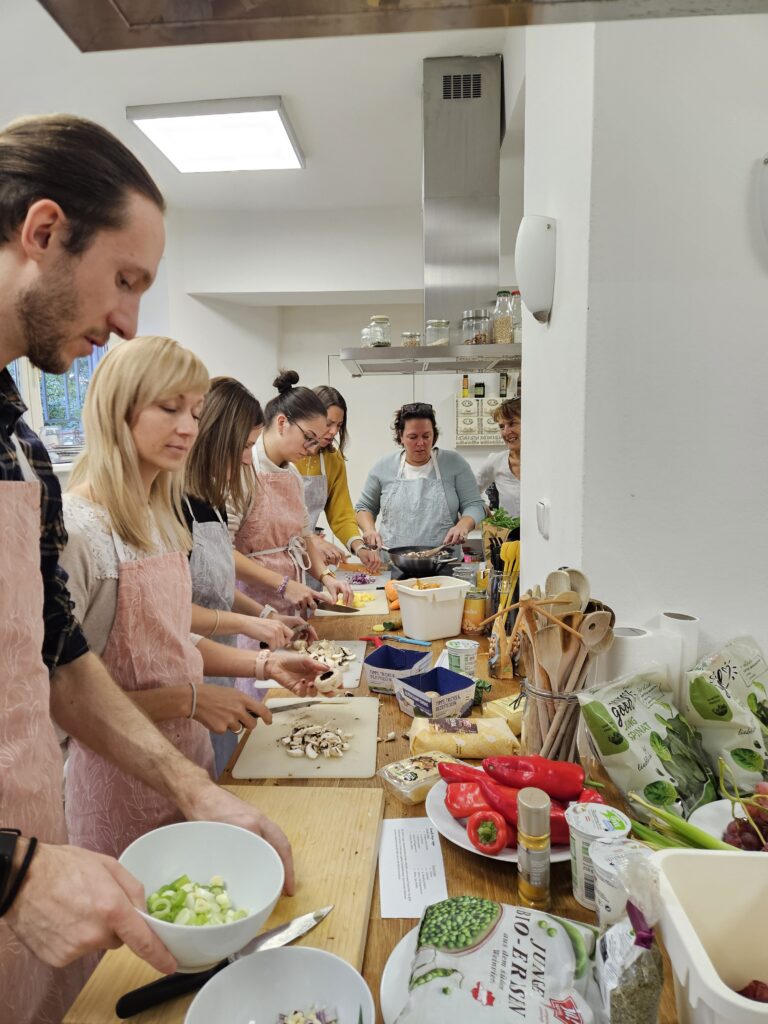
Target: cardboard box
<point>387,664</point>
<point>439,693</point>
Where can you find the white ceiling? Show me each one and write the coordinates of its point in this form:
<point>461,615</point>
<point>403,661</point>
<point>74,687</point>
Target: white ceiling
<point>355,104</point>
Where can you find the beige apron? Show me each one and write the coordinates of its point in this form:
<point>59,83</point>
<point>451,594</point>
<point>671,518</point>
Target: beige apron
<point>148,647</point>
<point>31,992</point>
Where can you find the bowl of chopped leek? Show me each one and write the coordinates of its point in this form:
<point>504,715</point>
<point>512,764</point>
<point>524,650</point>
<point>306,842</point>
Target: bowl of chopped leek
<point>209,887</point>
<point>292,985</point>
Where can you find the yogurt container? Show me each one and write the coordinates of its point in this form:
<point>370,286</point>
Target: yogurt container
<point>462,656</point>
<point>588,822</point>
<point>607,856</point>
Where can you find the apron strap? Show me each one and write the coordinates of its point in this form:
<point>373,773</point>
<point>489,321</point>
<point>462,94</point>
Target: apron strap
<point>432,458</point>
<point>120,548</point>
<point>297,553</point>
<point>26,470</point>
<point>189,506</point>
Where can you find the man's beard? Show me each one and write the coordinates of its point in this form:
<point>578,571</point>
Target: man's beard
<point>45,313</point>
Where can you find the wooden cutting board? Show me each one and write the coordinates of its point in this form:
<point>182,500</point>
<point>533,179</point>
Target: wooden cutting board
<point>378,606</point>
<point>264,757</point>
<point>335,838</point>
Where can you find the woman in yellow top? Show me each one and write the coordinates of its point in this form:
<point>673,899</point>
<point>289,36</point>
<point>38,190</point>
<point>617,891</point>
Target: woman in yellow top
<point>326,489</point>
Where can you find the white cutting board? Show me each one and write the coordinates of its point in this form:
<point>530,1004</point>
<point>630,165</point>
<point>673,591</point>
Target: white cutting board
<point>264,756</point>
<point>353,669</point>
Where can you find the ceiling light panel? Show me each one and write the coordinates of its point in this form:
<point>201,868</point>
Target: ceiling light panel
<point>221,135</point>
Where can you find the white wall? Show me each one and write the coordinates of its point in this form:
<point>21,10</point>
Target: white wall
<point>558,144</point>
<point>645,395</point>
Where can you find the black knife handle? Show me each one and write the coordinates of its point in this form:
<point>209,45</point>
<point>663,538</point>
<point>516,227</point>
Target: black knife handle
<point>160,991</point>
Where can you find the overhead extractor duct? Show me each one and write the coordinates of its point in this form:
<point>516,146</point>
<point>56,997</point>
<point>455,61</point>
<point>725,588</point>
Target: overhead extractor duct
<point>463,131</point>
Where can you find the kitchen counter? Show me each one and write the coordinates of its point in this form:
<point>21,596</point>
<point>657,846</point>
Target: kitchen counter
<point>466,873</point>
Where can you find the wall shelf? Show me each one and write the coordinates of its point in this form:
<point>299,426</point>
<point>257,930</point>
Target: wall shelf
<point>362,362</point>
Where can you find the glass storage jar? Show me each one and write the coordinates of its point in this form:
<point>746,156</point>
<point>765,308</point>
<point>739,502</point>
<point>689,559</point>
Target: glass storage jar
<point>503,329</point>
<point>438,332</point>
<point>381,332</point>
<point>476,327</point>
<point>410,339</point>
<point>365,337</point>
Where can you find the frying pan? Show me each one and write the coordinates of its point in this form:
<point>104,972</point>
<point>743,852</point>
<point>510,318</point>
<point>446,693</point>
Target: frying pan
<point>431,565</point>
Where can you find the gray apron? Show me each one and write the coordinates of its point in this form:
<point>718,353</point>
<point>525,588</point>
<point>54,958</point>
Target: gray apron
<point>414,511</point>
<point>212,567</point>
<point>315,497</point>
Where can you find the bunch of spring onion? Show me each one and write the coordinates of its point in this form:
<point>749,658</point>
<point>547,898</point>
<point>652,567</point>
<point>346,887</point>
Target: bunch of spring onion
<point>186,902</point>
<point>668,831</point>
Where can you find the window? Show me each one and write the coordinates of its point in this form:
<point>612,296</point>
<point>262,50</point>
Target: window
<point>55,401</point>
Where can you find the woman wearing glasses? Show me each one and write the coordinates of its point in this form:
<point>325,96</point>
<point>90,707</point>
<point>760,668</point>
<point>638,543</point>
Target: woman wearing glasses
<point>275,533</point>
<point>502,469</point>
<point>325,485</point>
<point>423,495</point>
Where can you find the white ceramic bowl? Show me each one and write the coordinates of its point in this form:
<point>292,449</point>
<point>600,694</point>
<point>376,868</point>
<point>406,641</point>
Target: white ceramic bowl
<point>264,985</point>
<point>252,870</point>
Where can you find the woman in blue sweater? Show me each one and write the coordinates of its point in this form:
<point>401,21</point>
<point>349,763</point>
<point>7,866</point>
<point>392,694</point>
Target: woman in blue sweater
<point>423,496</point>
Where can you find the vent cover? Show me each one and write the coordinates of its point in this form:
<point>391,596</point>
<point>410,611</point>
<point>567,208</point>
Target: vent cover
<point>462,87</point>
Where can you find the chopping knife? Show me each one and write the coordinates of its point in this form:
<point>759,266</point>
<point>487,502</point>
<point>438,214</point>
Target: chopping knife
<point>329,606</point>
<point>174,985</point>
<point>300,704</point>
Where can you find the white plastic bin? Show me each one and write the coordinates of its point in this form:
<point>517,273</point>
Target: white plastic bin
<point>435,613</point>
<point>715,904</point>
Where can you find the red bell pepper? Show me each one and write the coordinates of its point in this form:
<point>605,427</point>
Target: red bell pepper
<point>504,800</point>
<point>450,771</point>
<point>561,780</point>
<point>463,799</point>
<point>487,832</point>
<point>592,796</point>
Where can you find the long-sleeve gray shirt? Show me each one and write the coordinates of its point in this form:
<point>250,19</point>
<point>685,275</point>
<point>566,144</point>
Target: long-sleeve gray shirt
<point>459,484</point>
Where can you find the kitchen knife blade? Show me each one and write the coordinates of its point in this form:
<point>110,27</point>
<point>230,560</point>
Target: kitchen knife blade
<point>328,606</point>
<point>174,985</point>
<point>303,704</point>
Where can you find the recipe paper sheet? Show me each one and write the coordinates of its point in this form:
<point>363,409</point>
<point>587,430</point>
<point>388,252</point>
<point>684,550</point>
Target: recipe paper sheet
<point>411,869</point>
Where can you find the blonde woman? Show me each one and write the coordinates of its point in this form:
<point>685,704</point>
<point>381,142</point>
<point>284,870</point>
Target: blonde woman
<point>129,578</point>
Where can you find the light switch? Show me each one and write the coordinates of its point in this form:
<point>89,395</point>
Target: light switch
<point>542,518</point>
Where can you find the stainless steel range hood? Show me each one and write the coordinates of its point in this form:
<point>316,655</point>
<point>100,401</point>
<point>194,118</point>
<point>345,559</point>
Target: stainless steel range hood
<point>463,130</point>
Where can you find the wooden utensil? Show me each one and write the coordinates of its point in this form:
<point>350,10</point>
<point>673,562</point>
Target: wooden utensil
<point>580,584</point>
<point>557,582</point>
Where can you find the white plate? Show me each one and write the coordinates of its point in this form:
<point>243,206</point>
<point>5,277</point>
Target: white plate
<point>714,817</point>
<point>455,832</point>
<point>393,992</point>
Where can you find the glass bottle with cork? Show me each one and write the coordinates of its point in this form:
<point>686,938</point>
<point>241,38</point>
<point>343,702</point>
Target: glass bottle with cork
<point>533,848</point>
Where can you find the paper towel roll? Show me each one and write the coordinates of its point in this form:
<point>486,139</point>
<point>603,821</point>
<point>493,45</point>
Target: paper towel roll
<point>635,649</point>
<point>687,628</point>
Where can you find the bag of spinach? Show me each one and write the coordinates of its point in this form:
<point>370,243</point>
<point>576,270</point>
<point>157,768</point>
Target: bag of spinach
<point>646,745</point>
<point>480,962</point>
<point>725,697</point>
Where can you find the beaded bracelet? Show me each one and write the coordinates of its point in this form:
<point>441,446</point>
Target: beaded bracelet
<point>13,892</point>
<point>194,701</point>
<point>283,586</point>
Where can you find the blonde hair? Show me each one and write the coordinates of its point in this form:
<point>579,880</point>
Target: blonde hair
<point>213,470</point>
<point>130,378</point>
<point>509,410</point>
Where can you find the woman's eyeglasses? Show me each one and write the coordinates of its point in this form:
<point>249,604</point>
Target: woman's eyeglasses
<point>311,441</point>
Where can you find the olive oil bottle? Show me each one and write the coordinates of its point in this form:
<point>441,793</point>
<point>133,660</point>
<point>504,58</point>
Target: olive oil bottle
<point>533,848</point>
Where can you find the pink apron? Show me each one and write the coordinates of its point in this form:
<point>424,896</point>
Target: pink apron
<point>148,647</point>
<point>31,992</point>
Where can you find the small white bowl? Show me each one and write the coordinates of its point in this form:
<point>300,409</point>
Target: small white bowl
<point>262,986</point>
<point>251,869</point>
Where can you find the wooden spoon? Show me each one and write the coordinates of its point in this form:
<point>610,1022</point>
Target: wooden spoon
<point>580,584</point>
<point>557,582</point>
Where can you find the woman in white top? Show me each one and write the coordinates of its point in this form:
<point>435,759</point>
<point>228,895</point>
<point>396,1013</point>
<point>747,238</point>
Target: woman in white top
<point>129,577</point>
<point>503,468</point>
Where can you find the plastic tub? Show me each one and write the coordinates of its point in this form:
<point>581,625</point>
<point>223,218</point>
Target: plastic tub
<point>435,613</point>
<point>714,905</point>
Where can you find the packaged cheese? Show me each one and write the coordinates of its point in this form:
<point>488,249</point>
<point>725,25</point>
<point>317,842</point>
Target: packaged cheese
<point>508,708</point>
<point>463,737</point>
<point>413,777</point>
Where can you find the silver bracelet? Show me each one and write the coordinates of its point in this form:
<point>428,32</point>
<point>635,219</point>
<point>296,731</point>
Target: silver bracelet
<point>194,701</point>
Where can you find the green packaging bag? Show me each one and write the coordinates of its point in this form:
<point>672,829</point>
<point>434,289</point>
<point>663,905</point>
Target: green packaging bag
<point>725,697</point>
<point>646,745</point>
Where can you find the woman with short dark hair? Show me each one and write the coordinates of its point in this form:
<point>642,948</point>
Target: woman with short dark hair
<point>423,495</point>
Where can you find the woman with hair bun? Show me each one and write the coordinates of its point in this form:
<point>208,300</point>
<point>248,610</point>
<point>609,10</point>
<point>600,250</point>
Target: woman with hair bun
<point>275,533</point>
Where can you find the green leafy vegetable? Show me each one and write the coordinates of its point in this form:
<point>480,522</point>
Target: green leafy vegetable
<point>501,518</point>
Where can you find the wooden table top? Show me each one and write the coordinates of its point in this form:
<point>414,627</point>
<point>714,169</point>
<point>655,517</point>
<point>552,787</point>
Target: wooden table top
<point>466,873</point>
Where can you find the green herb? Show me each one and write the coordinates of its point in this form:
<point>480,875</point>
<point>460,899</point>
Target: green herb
<point>481,686</point>
<point>501,518</point>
